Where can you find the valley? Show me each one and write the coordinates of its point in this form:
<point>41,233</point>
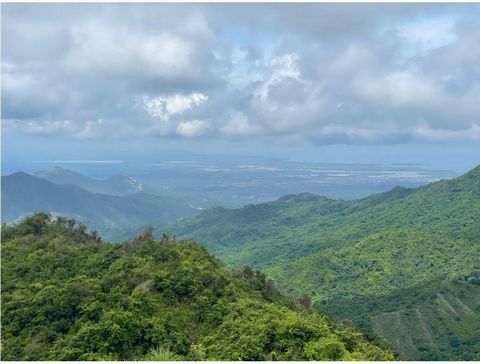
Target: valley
<point>351,251</point>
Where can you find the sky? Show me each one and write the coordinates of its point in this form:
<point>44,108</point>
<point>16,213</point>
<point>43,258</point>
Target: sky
<point>318,82</point>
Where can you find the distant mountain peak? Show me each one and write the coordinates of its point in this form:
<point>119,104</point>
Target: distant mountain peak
<point>19,173</point>
<point>115,185</point>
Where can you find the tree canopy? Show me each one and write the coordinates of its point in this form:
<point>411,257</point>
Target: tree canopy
<point>66,295</point>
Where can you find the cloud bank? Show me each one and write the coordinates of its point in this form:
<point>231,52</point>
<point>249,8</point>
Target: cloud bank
<point>316,73</point>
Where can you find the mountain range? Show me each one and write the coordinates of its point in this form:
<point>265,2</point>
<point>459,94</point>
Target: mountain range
<point>114,217</point>
<point>355,258</point>
<point>115,185</point>
<point>403,265</point>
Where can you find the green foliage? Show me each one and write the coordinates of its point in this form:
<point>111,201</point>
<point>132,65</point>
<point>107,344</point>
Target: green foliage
<point>161,354</point>
<point>327,348</point>
<point>361,251</point>
<point>68,296</point>
<point>379,264</point>
<point>438,320</point>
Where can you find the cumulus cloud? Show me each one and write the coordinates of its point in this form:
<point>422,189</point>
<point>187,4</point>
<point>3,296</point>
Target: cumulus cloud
<point>106,49</point>
<point>163,107</point>
<point>283,67</point>
<point>239,125</point>
<point>192,128</point>
<point>403,88</point>
<point>320,73</point>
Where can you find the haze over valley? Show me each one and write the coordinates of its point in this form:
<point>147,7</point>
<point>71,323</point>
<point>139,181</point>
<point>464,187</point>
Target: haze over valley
<point>162,192</point>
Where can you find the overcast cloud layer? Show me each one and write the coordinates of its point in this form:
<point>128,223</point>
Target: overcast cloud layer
<point>322,73</point>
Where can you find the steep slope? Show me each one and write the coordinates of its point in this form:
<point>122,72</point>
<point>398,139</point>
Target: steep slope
<point>68,296</point>
<point>264,234</point>
<point>339,250</point>
<point>382,262</point>
<point>115,185</point>
<point>437,320</point>
<point>115,217</point>
<point>433,232</point>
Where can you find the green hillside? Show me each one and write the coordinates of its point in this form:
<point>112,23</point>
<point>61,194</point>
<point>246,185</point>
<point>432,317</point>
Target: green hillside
<point>382,262</point>
<point>66,295</point>
<point>263,234</point>
<point>437,320</point>
<point>115,217</point>
<point>355,250</point>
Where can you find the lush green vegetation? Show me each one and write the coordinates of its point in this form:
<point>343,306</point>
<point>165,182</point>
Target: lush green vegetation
<point>363,250</point>
<point>68,296</point>
<point>263,235</point>
<point>379,264</point>
<point>437,320</point>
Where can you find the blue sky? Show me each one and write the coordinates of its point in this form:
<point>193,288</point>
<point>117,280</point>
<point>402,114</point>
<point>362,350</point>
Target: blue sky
<point>322,82</point>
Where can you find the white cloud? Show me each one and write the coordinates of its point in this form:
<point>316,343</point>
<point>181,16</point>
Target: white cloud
<point>50,127</point>
<point>164,107</point>
<point>285,102</point>
<point>78,129</point>
<point>355,57</point>
<point>16,83</point>
<point>239,125</point>
<point>245,69</point>
<point>192,128</point>
<point>295,75</point>
<point>111,49</point>
<point>403,88</point>
<point>74,129</point>
<point>284,66</point>
<point>428,134</point>
<point>425,34</point>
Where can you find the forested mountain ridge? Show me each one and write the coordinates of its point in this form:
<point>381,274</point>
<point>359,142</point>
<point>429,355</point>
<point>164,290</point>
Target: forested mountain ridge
<point>66,295</point>
<point>115,185</point>
<point>431,233</point>
<point>264,234</point>
<point>363,250</point>
<point>115,217</point>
